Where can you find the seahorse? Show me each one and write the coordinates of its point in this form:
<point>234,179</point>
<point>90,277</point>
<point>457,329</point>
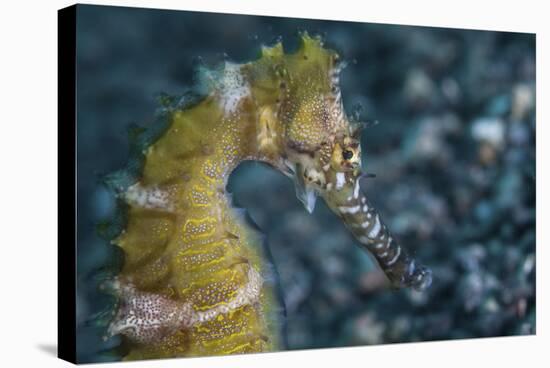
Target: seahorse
<point>194,278</point>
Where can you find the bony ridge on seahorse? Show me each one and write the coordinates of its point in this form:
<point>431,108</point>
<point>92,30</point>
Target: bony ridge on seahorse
<point>194,278</point>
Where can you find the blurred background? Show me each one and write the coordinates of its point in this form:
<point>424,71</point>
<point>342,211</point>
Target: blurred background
<point>453,153</point>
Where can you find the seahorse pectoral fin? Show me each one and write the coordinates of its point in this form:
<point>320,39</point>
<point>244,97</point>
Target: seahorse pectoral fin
<point>304,192</point>
<point>365,223</point>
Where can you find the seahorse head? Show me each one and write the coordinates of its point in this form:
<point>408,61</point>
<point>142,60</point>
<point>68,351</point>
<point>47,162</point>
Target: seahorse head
<point>318,146</point>
<point>334,164</point>
<point>305,130</point>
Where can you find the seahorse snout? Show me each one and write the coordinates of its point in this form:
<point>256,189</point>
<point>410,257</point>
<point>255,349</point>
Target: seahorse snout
<point>347,200</point>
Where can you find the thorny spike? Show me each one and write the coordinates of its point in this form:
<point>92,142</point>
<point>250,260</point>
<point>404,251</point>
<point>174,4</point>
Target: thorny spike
<point>367,176</point>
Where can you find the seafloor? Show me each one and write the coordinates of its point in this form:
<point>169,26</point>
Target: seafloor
<point>453,154</point>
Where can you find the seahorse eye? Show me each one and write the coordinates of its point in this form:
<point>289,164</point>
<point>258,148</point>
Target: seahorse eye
<point>347,154</point>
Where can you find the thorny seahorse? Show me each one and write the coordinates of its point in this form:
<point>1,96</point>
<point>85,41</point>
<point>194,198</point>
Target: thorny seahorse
<point>194,279</point>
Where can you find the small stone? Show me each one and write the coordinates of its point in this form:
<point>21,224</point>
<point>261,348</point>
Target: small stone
<point>419,87</point>
<point>490,130</point>
<point>523,100</point>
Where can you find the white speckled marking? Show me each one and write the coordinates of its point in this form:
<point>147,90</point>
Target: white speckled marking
<point>376,228</point>
<point>148,318</point>
<point>340,180</point>
<point>152,197</point>
<point>356,189</point>
<point>247,294</point>
<point>394,259</point>
<point>232,88</point>
<point>351,210</point>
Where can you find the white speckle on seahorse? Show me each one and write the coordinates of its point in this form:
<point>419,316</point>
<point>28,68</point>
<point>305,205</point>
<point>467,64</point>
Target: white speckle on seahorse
<point>153,197</point>
<point>232,88</point>
<point>340,180</point>
<point>248,294</point>
<point>376,228</point>
<point>395,257</point>
<point>148,318</point>
<point>350,210</point>
<point>356,189</point>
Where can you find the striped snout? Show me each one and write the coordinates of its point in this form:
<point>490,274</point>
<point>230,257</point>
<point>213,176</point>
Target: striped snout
<point>365,223</point>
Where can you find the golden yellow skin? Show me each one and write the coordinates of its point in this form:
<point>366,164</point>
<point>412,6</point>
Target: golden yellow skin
<point>197,249</point>
<point>195,252</point>
<point>194,280</point>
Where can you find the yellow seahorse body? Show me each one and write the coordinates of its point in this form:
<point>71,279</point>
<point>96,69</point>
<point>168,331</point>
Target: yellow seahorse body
<point>194,280</point>
<point>190,245</point>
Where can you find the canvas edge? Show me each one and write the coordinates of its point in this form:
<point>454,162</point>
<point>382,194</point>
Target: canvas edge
<point>66,151</point>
